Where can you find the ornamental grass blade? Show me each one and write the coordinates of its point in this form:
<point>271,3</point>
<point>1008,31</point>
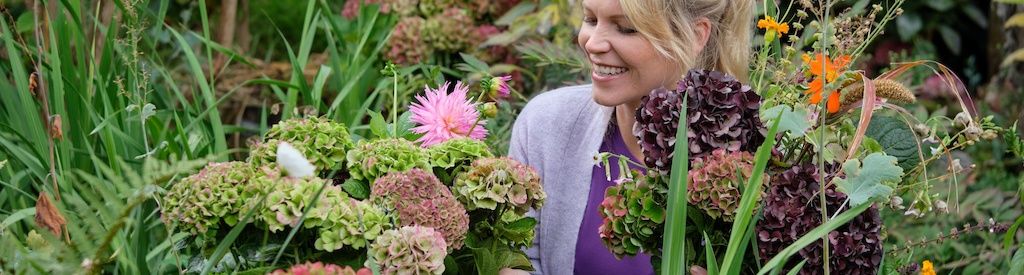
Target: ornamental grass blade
<point>674,246</point>
<point>744,223</point>
<point>709,257</point>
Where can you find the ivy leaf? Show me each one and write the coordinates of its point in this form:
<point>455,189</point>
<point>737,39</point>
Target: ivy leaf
<point>791,120</point>
<point>866,183</point>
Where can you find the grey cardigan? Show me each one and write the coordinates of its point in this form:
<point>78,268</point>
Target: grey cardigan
<point>558,133</point>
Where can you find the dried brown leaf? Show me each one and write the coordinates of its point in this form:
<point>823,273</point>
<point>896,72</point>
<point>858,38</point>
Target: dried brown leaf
<point>48,216</point>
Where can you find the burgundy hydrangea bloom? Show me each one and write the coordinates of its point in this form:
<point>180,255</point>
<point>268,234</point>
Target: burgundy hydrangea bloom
<point>721,113</point>
<point>792,208</point>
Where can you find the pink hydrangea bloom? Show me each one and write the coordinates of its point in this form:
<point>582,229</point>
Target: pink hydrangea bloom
<point>441,116</point>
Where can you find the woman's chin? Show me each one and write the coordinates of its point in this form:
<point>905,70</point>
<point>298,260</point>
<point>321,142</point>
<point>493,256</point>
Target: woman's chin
<point>606,98</point>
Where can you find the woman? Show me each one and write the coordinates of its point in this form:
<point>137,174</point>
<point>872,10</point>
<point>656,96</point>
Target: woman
<point>634,46</point>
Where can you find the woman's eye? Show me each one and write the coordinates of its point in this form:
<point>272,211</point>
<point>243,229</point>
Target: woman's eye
<point>627,30</point>
<point>590,20</point>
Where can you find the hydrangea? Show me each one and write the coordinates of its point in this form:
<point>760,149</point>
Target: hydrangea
<point>792,208</point>
<point>288,197</point>
<point>350,223</point>
<point>491,182</point>
<point>715,180</point>
<point>633,215</point>
<point>323,142</point>
<point>204,200</point>
<point>319,268</point>
<point>721,113</point>
<point>406,45</point>
<point>450,31</point>
<point>410,250</point>
<point>454,156</point>
<point>434,7</point>
<point>375,158</point>
<point>421,199</point>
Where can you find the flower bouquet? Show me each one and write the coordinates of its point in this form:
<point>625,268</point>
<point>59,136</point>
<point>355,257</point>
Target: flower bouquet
<point>793,171</point>
<point>422,195</point>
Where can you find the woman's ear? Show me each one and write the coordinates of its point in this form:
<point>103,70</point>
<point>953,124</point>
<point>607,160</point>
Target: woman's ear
<point>703,29</point>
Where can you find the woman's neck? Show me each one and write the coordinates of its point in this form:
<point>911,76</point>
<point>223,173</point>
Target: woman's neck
<point>625,117</point>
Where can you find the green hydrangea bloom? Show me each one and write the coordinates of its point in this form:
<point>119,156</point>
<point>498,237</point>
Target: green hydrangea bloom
<point>375,158</point>
<point>454,156</point>
<point>715,180</point>
<point>323,142</point>
<point>434,7</point>
<point>410,250</point>
<point>458,152</point>
<point>287,197</point>
<point>493,182</point>
<point>450,31</point>
<point>351,223</point>
<point>633,215</point>
<point>203,201</point>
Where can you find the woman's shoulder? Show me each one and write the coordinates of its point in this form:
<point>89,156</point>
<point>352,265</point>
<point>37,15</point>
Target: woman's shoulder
<point>559,103</point>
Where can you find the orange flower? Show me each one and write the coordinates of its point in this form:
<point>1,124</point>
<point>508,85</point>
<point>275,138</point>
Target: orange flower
<point>769,24</point>
<point>927,268</point>
<point>831,70</point>
<point>772,28</point>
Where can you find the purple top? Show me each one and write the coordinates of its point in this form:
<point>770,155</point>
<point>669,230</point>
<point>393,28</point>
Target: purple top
<point>591,255</point>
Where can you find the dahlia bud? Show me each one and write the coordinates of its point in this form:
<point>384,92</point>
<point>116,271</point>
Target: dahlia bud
<point>497,87</point>
<point>488,110</point>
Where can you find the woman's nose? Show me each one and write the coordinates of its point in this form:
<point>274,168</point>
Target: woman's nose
<point>597,42</point>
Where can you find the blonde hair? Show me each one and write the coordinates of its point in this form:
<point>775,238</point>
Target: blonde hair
<point>669,25</point>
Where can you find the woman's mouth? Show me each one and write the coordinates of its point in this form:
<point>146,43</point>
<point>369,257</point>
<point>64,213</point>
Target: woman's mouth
<point>608,71</point>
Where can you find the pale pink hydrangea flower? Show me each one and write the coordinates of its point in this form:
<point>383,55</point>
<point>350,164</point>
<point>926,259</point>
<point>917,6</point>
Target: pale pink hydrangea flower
<point>441,116</point>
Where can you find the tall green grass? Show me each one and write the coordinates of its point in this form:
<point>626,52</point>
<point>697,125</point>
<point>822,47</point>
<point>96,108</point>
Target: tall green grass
<point>134,119</point>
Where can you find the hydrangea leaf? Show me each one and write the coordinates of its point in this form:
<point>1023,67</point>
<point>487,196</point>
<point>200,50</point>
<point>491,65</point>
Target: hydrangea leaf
<point>866,183</point>
<point>357,189</point>
<point>378,125</point>
<point>791,120</point>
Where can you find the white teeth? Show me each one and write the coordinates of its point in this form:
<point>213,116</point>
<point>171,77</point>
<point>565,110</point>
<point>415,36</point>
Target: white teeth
<point>602,70</point>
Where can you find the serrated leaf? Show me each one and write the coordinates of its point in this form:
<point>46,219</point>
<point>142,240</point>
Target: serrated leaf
<point>867,183</point>
<point>357,189</point>
<point>792,121</point>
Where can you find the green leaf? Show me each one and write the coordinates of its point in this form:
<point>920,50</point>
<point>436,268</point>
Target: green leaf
<point>864,184</point>
<point>709,255</point>
<point>790,120</point>
<point>952,39</point>
<point>148,111</point>
<point>377,124</point>
<point>1017,263</point>
<point>675,225</point>
<point>1019,2</point>
<point>908,25</point>
<point>474,62</point>
<point>359,190</point>
<point>513,14</point>
<point>896,139</point>
<point>17,216</point>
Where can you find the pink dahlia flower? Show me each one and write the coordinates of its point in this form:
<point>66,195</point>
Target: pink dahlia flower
<point>441,116</point>
<point>498,87</point>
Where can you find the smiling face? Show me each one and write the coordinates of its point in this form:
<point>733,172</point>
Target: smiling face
<point>625,65</point>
